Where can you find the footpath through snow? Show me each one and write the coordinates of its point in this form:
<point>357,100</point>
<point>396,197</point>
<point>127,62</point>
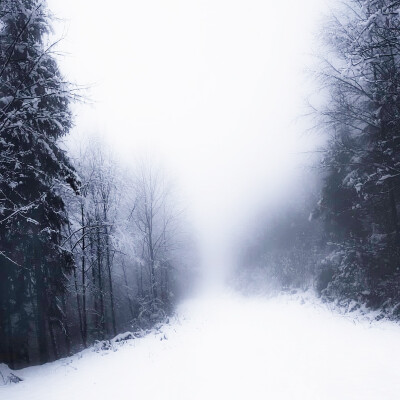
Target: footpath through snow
<point>231,347</point>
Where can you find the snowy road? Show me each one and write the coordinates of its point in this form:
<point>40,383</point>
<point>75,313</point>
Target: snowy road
<point>228,347</point>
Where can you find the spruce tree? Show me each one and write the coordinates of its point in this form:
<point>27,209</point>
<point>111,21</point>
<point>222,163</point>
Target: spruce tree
<point>34,115</point>
<point>361,193</point>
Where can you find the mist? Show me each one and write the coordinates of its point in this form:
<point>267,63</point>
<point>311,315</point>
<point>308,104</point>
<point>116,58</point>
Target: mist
<point>214,89</point>
<point>199,199</point>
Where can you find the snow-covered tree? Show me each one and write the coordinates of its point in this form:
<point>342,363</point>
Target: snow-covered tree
<point>34,114</point>
<point>156,221</point>
<point>361,193</point>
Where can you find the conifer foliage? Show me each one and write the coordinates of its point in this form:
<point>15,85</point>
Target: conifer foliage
<point>352,239</point>
<point>360,196</point>
<point>34,114</point>
<point>81,259</point>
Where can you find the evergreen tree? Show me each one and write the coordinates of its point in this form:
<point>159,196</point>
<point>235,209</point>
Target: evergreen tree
<point>34,114</point>
<point>360,197</point>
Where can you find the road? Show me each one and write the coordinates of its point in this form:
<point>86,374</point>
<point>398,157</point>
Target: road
<point>230,347</point>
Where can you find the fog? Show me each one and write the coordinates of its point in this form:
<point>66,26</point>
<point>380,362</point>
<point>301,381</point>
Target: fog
<point>214,89</point>
<point>200,232</point>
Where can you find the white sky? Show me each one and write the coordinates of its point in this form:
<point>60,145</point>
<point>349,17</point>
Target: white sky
<point>212,87</point>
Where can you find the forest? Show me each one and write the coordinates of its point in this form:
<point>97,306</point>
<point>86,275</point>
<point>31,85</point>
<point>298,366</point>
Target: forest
<point>91,248</point>
<point>341,237</point>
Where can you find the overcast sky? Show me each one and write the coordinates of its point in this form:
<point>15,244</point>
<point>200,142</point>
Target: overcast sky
<point>211,87</point>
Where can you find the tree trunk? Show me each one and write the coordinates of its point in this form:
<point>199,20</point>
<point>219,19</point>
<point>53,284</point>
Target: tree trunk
<point>84,313</point>
<point>10,357</point>
<point>127,291</point>
<point>94,281</point>
<point>78,301</point>
<point>41,311</point>
<point>99,277</point>
<point>53,339</point>
<point>110,284</point>
<point>65,327</point>
<point>152,267</point>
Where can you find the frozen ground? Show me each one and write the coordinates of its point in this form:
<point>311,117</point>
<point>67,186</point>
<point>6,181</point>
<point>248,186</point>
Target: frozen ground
<point>230,347</point>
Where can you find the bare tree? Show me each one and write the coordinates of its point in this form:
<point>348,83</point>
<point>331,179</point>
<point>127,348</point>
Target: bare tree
<point>156,220</point>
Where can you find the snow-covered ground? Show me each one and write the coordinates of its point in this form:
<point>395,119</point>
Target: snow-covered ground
<point>231,347</point>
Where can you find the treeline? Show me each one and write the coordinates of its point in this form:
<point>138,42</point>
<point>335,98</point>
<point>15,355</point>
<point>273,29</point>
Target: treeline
<point>131,252</point>
<point>358,259</point>
<point>284,246</point>
<point>87,249</point>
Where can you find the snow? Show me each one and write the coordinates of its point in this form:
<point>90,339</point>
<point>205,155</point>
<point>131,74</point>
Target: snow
<point>230,347</point>
<point>7,375</point>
